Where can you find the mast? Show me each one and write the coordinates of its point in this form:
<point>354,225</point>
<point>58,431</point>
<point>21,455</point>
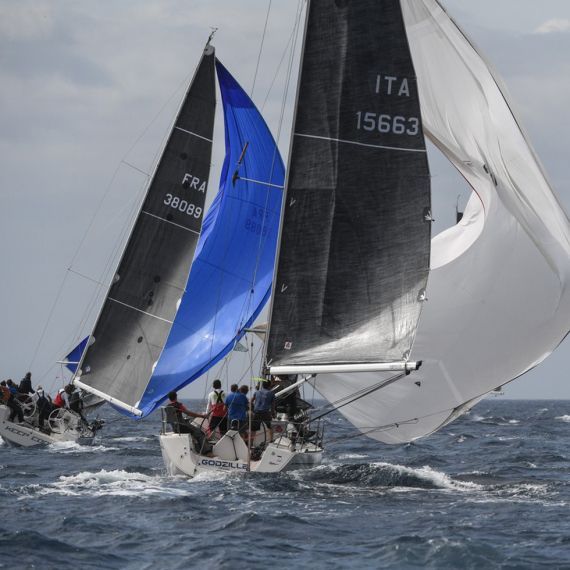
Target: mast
<point>145,293</point>
<point>355,234</point>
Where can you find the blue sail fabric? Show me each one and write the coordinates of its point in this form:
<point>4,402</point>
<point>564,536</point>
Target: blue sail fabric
<point>75,355</point>
<point>230,279</point>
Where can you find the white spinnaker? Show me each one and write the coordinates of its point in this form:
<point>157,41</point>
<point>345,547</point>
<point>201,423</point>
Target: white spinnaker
<point>498,295</point>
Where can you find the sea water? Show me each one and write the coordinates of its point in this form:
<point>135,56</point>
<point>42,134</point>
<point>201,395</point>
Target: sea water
<point>490,490</point>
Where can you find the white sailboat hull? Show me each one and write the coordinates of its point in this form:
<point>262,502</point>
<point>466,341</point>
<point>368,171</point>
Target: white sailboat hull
<point>28,435</point>
<point>181,459</point>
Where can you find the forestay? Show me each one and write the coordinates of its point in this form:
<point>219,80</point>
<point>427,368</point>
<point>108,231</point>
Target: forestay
<point>354,250</point>
<point>231,276</point>
<point>498,295</point>
<point>143,300</point>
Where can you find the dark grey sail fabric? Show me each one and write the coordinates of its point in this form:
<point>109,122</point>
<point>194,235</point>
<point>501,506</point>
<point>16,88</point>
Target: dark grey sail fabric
<point>137,315</point>
<point>355,244</point>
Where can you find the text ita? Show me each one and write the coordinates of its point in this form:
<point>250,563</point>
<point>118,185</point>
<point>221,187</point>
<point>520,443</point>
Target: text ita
<point>391,85</point>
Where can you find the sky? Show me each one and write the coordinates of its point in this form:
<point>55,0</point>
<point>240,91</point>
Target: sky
<point>87,94</point>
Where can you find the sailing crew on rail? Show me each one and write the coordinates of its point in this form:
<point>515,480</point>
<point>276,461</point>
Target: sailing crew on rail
<point>25,386</point>
<point>44,407</point>
<point>217,409</point>
<point>185,426</point>
<point>237,405</point>
<point>62,398</point>
<point>7,398</point>
<point>263,410</point>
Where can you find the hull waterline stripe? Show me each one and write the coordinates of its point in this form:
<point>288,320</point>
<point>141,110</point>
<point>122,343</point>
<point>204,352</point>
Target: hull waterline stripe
<point>172,223</point>
<point>139,310</point>
<point>193,134</point>
<point>361,144</point>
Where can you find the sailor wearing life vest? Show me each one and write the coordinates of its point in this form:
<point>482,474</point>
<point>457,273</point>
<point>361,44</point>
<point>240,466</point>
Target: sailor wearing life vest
<point>217,409</point>
<point>62,398</point>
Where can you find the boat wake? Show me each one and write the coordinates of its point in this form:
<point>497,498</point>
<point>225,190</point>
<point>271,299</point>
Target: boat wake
<point>74,447</point>
<point>117,482</point>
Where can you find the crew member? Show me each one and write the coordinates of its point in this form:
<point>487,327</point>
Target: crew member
<point>217,409</point>
<point>7,396</point>
<point>185,426</point>
<point>25,386</point>
<point>263,410</point>
<point>43,405</point>
<point>237,405</point>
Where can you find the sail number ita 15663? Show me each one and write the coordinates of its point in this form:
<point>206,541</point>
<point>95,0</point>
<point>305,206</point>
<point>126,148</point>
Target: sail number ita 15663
<point>183,206</point>
<point>397,125</point>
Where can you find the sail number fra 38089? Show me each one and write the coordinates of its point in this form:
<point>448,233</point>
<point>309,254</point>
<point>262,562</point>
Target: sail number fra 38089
<point>183,206</point>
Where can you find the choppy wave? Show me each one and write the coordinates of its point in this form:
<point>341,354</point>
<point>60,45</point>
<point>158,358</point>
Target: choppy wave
<point>461,498</point>
<point>74,447</point>
<point>388,475</point>
<point>138,439</point>
<point>116,482</point>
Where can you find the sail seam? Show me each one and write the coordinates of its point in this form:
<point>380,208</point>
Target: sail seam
<point>361,144</point>
<point>194,134</point>
<point>169,222</point>
<point>140,310</point>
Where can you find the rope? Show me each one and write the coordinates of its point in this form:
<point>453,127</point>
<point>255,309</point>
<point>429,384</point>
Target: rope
<point>358,395</point>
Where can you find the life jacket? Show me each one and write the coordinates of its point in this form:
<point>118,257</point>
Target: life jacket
<point>4,394</point>
<point>218,408</point>
<point>58,401</point>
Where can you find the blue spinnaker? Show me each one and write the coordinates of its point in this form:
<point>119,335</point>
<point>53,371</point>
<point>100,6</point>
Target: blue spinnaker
<point>230,279</point>
<point>75,355</point>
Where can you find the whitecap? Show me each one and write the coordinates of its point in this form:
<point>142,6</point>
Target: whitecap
<point>352,456</point>
<point>74,447</point>
<point>109,483</point>
<point>436,478</point>
<point>476,418</point>
<point>131,439</point>
<point>563,418</point>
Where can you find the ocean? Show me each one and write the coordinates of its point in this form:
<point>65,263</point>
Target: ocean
<point>490,490</point>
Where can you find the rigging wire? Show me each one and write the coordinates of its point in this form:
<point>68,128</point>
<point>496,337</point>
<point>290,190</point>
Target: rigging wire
<point>88,230</point>
<point>355,396</point>
<point>260,49</point>
<point>262,242</point>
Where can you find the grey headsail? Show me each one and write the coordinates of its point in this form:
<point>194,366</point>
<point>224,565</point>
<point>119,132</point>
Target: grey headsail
<point>137,314</point>
<point>355,237</point>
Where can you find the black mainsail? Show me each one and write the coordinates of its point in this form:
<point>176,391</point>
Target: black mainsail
<point>355,241</point>
<point>142,302</point>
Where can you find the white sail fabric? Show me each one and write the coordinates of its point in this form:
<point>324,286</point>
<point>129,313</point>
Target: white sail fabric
<point>498,295</point>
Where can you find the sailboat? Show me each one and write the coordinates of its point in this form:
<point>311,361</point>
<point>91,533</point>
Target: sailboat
<point>352,312</point>
<point>354,240</point>
<point>160,328</point>
<point>355,251</point>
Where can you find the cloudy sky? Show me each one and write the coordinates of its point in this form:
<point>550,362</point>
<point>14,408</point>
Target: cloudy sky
<point>87,93</point>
